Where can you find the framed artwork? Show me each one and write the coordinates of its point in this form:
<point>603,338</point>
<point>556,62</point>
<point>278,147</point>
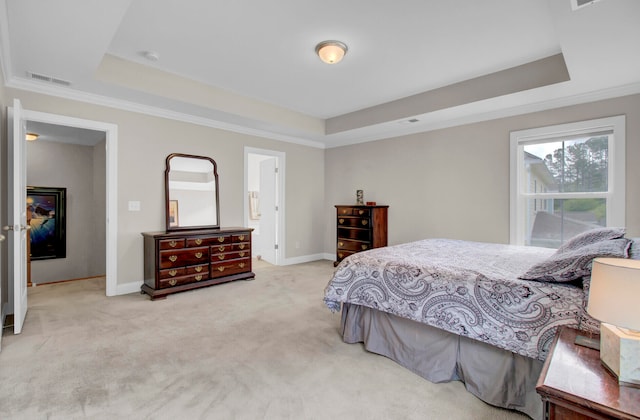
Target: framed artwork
<point>46,214</point>
<point>173,213</point>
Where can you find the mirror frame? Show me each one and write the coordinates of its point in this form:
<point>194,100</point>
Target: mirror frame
<point>167,198</point>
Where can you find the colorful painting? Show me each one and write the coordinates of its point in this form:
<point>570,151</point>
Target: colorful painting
<point>46,208</point>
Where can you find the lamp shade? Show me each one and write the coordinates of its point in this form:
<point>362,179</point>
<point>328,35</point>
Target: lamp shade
<point>614,293</point>
<point>331,52</point>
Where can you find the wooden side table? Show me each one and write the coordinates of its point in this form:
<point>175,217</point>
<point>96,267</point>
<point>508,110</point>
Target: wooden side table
<point>574,384</point>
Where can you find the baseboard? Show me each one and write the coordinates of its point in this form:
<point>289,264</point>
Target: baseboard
<point>307,258</point>
<point>132,287</point>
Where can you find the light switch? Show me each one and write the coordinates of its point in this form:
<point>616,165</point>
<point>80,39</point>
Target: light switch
<point>134,206</point>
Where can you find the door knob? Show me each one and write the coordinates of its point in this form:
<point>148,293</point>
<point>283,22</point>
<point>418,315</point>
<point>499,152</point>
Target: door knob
<point>1,238</point>
<point>7,227</point>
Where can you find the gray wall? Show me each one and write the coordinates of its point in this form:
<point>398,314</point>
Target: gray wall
<point>54,164</point>
<point>143,144</point>
<point>454,182</point>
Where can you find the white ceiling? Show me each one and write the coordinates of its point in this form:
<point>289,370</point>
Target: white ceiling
<point>250,66</point>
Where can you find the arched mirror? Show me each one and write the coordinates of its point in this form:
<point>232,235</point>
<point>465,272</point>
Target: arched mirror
<point>191,191</point>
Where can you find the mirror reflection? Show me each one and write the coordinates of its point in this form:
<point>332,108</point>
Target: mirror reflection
<point>192,192</point>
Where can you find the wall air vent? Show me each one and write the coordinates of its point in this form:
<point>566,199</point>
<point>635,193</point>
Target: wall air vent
<point>579,4</point>
<point>48,79</point>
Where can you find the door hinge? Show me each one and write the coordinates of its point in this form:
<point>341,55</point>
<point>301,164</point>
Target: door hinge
<point>275,246</point>
<point>276,170</point>
<point>276,208</point>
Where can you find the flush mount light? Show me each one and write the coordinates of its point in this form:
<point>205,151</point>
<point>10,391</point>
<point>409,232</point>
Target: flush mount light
<point>31,136</point>
<point>331,52</point>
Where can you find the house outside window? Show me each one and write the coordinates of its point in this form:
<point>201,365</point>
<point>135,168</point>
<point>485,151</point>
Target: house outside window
<point>566,179</point>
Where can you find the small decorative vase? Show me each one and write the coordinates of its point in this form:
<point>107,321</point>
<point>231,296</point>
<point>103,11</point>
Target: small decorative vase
<point>360,197</point>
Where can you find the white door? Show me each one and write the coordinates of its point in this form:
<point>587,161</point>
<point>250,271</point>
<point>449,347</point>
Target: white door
<point>268,211</point>
<point>17,215</point>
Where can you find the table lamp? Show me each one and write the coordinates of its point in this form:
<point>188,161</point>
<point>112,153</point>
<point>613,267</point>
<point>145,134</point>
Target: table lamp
<point>614,300</point>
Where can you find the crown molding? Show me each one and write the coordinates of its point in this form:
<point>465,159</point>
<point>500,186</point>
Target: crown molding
<point>124,105</point>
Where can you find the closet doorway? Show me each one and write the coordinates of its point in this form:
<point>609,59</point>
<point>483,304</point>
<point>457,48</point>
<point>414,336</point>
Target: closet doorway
<point>73,159</point>
<point>264,198</point>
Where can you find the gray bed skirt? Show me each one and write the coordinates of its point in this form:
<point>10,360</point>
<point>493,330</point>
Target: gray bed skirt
<point>496,376</point>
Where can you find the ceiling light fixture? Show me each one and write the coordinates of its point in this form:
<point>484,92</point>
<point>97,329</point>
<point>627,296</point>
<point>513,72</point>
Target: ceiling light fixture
<point>331,52</point>
<point>31,136</point>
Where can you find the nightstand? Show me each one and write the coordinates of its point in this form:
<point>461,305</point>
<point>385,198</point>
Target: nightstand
<point>574,384</point>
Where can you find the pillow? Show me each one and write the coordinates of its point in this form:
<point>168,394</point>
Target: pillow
<point>591,236</point>
<point>571,265</point>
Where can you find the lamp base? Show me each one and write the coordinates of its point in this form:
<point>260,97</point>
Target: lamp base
<point>620,353</point>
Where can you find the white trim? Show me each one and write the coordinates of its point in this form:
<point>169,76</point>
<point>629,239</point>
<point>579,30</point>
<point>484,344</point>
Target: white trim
<point>126,288</point>
<point>615,196</point>
<point>281,159</point>
<point>121,104</point>
<point>111,135</point>
<point>306,258</point>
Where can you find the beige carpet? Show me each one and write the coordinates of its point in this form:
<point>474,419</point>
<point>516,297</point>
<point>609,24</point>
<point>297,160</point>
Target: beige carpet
<point>262,349</point>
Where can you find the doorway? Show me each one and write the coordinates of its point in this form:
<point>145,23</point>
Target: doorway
<point>107,199</point>
<point>65,173</point>
<point>264,198</point>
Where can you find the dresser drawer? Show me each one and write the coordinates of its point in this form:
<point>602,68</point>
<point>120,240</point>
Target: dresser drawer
<point>171,243</point>
<point>241,238</point>
<point>345,245</point>
<point>361,222</point>
<point>225,268</point>
<point>182,257</point>
<point>354,211</point>
<point>342,254</point>
<point>226,256</point>
<point>175,281</point>
<point>354,233</point>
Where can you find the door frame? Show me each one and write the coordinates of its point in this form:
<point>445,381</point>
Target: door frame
<point>111,178</point>
<point>280,232</point>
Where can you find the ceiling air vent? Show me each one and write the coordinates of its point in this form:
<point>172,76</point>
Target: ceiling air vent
<point>579,4</point>
<point>48,79</point>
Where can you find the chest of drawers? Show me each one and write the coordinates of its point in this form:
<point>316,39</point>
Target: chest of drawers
<point>186,260</point>
<point>359,228</point>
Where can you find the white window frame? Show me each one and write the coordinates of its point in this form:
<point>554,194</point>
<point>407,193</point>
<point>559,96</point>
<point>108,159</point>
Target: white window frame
<point>615,196</point>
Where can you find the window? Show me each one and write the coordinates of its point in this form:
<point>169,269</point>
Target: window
<point>566,179</point>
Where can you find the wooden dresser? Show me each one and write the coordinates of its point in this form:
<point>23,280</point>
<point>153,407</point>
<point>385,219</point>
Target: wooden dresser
<point>360,228</point>
<point>186,260</point>
<point>575,385</point>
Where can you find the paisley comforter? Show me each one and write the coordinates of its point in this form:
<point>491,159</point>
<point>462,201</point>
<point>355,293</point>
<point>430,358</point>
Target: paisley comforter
<point>467,288</point>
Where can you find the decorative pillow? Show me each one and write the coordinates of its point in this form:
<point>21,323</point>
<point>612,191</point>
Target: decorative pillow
<point>571,265</point>
<point>591,236</point>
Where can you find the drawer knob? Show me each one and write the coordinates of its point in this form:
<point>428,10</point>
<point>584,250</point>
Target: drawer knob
<point>340,243</point>
<point>173,258</point>
<point>241,237</point>
<point>198,241</point>
<point>344,211</point>
<point>365,222</point>
<point>198,254</point>
<point>241,254</point>
<point>340,255</point>
<point>173,282</point>
<point>341,221</point>
<point>241,246</point>
<point>199,277</point>
<point>364,247</point>
<point>221,257</point>
<point>198,269</point>
<point>173,273</point>
<point>220,238</point>
<point>221,269</point>
<point>173,244</point>
<point>241,265</point>
<point>361,212</point>
<point>220,248</point>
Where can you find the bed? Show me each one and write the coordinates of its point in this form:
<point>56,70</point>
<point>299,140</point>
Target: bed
<point>481,313</point>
